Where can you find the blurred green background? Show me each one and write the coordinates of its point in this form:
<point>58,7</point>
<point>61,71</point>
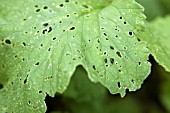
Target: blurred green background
<point>83,96</point>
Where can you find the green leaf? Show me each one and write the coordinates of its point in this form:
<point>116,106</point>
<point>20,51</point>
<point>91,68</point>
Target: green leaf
<point>157,37</point>
<point>158,8</point>
<point>42,43</point>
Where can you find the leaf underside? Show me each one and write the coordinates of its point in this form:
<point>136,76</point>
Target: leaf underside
<point>42,43</point>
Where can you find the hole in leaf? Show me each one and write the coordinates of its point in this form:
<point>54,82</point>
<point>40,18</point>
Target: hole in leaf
<point>105,34</point>
<point>29,102</point>
<point>45,7</point>
<point>54,38</point>
<point>111,60</point>
<point>118,54</point>
<point>111,47</point>
<point>7,41</point>
<point>94,67</point>
<point>50,29</point>
<point>105,60</point>
<point>37,63</point>
<point>1,86</point>
<point>61,5</point>
<point>130,33</point>
<point>72,28</point>
<point>118,84</point>
<point>138,39</point>
<point>98,40</point>
<point>38,10</point>
<point>132,81</point>
<point>44,31</point>
<point>25,81</point>
<point>24,44</point>
<point>139,63</point>
<point>45,24</point>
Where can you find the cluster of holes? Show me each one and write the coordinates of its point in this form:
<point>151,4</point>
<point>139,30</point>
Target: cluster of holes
<point>39,9</point>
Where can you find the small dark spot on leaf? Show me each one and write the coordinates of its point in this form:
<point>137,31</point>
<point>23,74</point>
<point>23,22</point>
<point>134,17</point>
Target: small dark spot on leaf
<point>130,33</point>
<point>118,54</point>
<point>45,7</point>
<point>119,70</point>
<point>66,0</point>
<point>132,81</point>
<point>68,15</point>
<point>24,19</point>
<point>54,38</point>
<point>120,17</point>
<point>106,65</point>
<point>116,36</point>
<point>15,56</point>
<point>138,39</point>
<point>118,84</point>
<point>40,91</point>
<point>85,6</point>
<point>44,31</point>
<point>111,60</point>
<point>124,22</point>
<point>45,24</point>
<point>105,60</point>
<point>36,6</point>
<point>25,81</point>
<point>74,58</point>
<point>23,59</point>
<point>61,5</point>
<point>94,67</point>
<point>24,44</point>
<point>105,53</point>
<point>98,40</point>
<point>7,41</point>
<point>105,34</point>
<point>72,28</point>
<point>37,10</point>
<point>49,49</point>
<point>37,63</point>
<point>111,47</point>
<point>29,102</point>
<point>50,29</point>
<point>139,63</point>
<point>125,48</point>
